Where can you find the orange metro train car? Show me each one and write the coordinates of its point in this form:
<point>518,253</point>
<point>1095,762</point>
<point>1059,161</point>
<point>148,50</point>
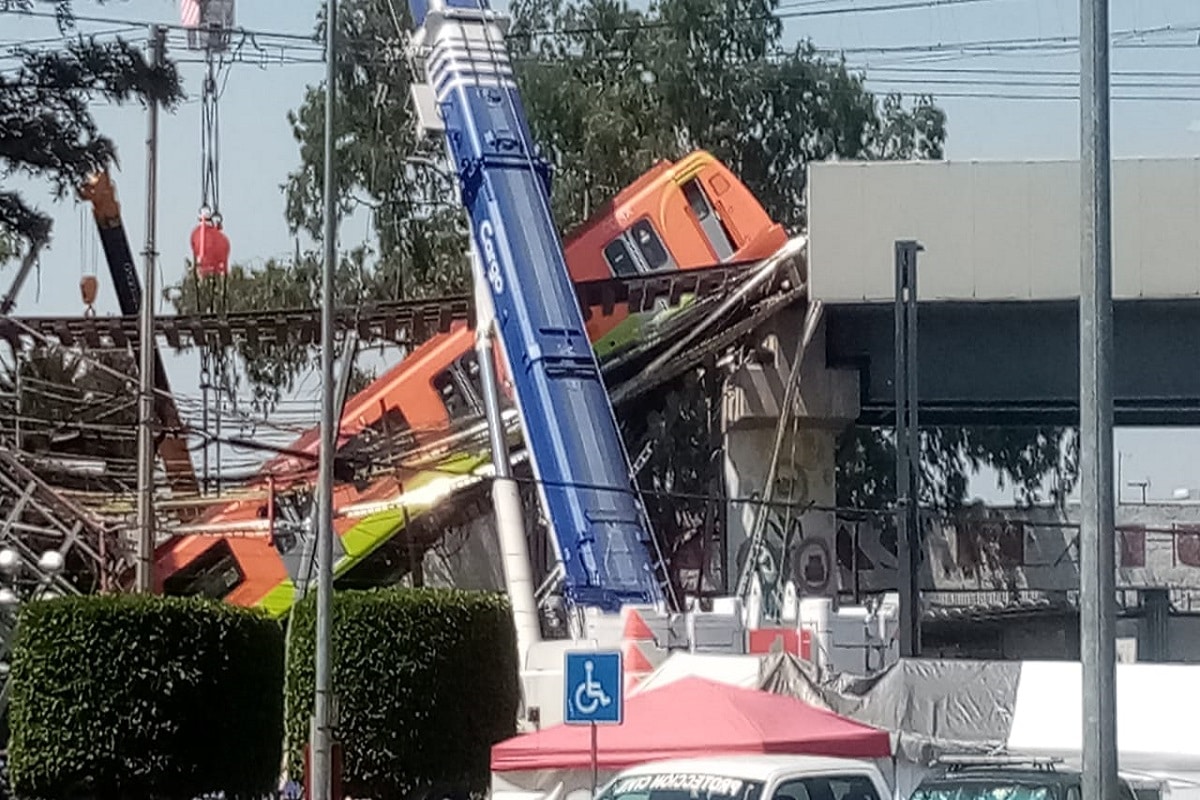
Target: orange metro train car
<point>689,214</point>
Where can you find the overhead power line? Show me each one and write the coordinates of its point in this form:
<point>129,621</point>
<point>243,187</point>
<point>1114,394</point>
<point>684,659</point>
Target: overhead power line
<point>1122,39</point>
<point>796,10</point>
<point>144,23</point>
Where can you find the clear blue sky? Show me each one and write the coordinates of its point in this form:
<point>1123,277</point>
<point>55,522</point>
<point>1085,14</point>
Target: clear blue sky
<point>1155,36</point>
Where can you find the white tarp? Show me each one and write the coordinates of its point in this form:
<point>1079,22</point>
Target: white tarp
<point>1158,714</point>
<point>508,785</point>
<point>735,670</point>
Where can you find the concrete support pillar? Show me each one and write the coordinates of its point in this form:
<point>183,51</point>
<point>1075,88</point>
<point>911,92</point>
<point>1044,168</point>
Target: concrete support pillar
<point>799,541</point>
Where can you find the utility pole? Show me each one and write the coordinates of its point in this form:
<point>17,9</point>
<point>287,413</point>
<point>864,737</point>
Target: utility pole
<point>322,728</point>
<point>506,494</point>
<point>1097,614</point>
<point>909,539</point>
<point>145,472</point>
<point>10,299</point>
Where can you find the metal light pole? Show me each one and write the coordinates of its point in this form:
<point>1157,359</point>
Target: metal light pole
<point>1097,546</point>
<point>145,466</point>
<point>506,494</point>
<point>322,739</point>
<point>909,538</point>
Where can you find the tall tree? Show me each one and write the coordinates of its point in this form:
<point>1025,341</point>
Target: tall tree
<point>47,130</point>
<point>382,167</point>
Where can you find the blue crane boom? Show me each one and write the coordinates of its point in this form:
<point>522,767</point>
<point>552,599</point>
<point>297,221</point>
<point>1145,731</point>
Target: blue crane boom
<point>601,533</point>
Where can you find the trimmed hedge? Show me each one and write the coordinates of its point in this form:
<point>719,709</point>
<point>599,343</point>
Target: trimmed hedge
<point>142,696</point>
<point>426,682</point>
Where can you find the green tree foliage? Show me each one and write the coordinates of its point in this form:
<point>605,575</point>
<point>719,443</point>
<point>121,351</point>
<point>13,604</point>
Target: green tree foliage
<point>610,89</point>
<point>46,126</point>
<point>381,166</point>
<point>271,367</point>
<point>137,696</point>
<point>683,472</point>
<point>1037,463</point>
<point>426,681</point>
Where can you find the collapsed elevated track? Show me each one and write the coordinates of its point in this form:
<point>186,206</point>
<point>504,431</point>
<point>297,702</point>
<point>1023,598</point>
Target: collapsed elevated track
<point>727,323</point>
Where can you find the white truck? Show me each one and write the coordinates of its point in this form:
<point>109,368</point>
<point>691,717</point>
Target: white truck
<point>752,777</point>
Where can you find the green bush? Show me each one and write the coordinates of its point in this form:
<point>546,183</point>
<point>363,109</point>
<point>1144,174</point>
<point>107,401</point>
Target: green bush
<point>147,697</point>
<point>426,682</point>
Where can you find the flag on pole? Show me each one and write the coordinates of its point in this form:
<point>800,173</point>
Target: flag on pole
<point>189,16</point>
<point>189,13</point>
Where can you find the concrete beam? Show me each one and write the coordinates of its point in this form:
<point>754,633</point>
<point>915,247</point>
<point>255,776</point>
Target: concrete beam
<point>1017,363</point>
<point>825,398</point>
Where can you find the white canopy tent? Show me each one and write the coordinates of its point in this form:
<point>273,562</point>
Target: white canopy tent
<point>735,670</point>
<point>1158,718</point>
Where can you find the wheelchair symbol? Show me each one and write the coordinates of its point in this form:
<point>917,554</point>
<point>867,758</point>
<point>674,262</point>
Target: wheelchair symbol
<point>589,695</point>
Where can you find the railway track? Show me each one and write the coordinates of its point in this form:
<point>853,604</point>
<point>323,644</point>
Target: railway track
<point>100,515</point>
<point>409,322</point>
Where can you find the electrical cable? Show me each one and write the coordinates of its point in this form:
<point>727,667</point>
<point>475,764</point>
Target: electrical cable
<point>966,49</point>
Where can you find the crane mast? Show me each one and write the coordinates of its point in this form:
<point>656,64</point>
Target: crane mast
<point>172,446</point>
<point>466,91</point>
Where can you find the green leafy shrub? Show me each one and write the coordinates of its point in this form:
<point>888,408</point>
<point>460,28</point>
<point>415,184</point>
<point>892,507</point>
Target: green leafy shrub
<point>147,697</point>
<point>426,682</point>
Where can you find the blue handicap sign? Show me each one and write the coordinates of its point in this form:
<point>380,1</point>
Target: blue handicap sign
<point>594,684</point>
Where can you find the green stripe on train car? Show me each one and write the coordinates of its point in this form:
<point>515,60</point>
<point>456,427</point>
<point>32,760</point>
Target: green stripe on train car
<point>635,326</point>
<point>369,533</point>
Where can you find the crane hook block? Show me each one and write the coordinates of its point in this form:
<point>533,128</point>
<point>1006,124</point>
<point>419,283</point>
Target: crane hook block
<point>210,248</point>
<point>88,287</point>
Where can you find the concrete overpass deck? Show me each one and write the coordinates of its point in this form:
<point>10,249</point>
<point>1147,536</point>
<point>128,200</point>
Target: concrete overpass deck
<point>998,282</point>
<point>1017,363</point>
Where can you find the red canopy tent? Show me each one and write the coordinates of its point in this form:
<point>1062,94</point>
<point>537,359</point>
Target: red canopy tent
<point>695,717</point>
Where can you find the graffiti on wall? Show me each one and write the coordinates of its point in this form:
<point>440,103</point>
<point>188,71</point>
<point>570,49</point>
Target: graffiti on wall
<point>786,553</point>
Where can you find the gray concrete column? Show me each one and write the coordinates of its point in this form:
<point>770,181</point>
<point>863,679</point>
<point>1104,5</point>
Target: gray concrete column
<point>800,532</point>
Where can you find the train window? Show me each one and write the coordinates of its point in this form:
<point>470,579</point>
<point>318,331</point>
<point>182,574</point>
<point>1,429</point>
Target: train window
<point>388,435</point>
<point>460,389</point>
<point>618,258</point>
<point>468,366</point>
<point>452,397</point>
<point>650,245</point>
<point>393,423</point>
<point>213,574</point>
<point>697,200</point>
<point>710,224</point>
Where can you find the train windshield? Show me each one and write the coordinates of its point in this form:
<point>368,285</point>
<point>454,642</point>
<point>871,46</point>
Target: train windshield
<point>639,249</point>
<point>619,259</point>
<point>650,245</point>
<point>682,786</point>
